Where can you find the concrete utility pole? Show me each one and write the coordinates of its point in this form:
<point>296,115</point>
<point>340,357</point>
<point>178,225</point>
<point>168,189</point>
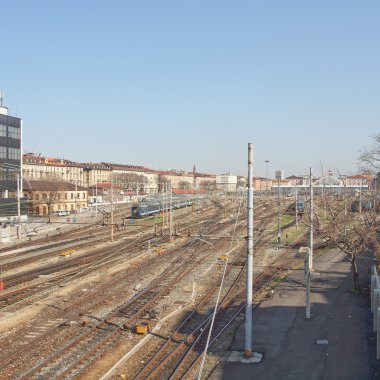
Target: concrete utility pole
<point>96,199</point>
<point>311,237</point>
<point>279,215</point>
<point>307,278</point>
<point>345,207</point>
<point>166,204</point>
<point>18,208</point>
<point>111,207</point>
<point>296,206</point>
<point>75,197</point>
<point>171,212</point>
<point>249,280</point>
<point>163,209</point>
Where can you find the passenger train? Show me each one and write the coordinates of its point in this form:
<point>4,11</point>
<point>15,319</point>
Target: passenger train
<point>145,209</point>
<point>299,206</point>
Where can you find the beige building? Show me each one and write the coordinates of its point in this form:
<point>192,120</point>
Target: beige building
<point>48,197</point>
<point>178,180</point>
<point>131,178</point>
<point>38,167</point>
<point>205,181</point>
<point>226,183</point>
<point>94,174</point>
<point>261,184</point>
<point>134,178</point>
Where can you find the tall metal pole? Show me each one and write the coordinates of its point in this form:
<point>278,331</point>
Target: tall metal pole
<point>163,208</point>
<point>345,207</point>
<point>75,198</point>
<point>308,283</point>
<point>111,207</point>
<point>279,215</point>
<point>18,208</point>
<point>166,204</point>
<point>296,206</point>
<point>171,212</point>
<point>267,162</point>
<point>249,280</point>
<point>96,199</point>
<point>311,237</point>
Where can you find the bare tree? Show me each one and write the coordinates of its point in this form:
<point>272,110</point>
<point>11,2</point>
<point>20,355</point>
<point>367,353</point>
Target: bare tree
<point>344,227</point>
<point>183,184</point>
<point>370,156</point>
<point>162,181</point>
<point>131,181</point>
<point>207,184</point>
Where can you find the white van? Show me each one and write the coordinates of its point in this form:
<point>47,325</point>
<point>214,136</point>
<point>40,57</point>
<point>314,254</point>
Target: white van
<point>62,212</point>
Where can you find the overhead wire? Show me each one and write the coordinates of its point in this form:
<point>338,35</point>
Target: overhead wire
<point>219,293</point>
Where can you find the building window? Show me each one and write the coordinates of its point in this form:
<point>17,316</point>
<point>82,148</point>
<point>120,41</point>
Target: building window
<point>65,195</point>
<point>14,153</point>
<point>3,130</point>
<point>14,132</point>
<point>3,152</point>
<point>3,173</point>
<point>72,195</point>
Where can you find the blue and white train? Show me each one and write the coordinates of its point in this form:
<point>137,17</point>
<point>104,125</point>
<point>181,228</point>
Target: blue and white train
<point>145,209</point>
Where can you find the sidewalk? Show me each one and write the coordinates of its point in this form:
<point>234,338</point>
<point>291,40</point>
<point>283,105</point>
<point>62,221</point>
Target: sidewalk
<point>288,341</point>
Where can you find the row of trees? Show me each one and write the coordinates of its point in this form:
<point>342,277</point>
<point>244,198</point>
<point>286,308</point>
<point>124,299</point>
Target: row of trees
<point>354,230</point>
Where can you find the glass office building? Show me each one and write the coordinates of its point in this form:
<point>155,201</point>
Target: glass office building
<point>10,161</point>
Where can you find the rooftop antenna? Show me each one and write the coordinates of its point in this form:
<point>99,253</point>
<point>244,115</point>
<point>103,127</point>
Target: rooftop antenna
<point>1,97</point>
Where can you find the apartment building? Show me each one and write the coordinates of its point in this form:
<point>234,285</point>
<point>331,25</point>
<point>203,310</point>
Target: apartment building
<point>36,166</point>
<point>226,183</point>
<point>134,178</point>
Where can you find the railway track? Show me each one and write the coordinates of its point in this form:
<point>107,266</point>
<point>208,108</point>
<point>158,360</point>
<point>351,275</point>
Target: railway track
<point>65,269</point>
<point>140,270</point>
<point>111,328</point>
<point>79,309</point>
<point>230,308</point>
<point>180,354</point>
<point>65,361</point>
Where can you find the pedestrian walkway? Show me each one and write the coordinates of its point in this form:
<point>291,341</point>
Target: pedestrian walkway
<point>337,343</point>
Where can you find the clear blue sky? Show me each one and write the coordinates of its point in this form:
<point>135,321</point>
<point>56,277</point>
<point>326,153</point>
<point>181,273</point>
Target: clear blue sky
<point>169,84</point>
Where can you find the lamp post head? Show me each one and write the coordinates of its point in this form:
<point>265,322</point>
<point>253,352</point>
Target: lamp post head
<point>304,250</point>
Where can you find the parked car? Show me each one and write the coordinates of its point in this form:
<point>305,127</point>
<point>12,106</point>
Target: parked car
<point>60,212</point>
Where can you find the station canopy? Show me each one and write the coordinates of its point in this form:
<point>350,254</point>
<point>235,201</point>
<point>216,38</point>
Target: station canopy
<point>329,181</point>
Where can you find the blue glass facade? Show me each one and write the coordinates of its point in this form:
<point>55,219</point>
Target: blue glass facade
<point>10,152</point>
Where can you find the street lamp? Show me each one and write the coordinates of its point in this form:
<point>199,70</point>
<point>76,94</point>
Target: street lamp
<point>267,162</point>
